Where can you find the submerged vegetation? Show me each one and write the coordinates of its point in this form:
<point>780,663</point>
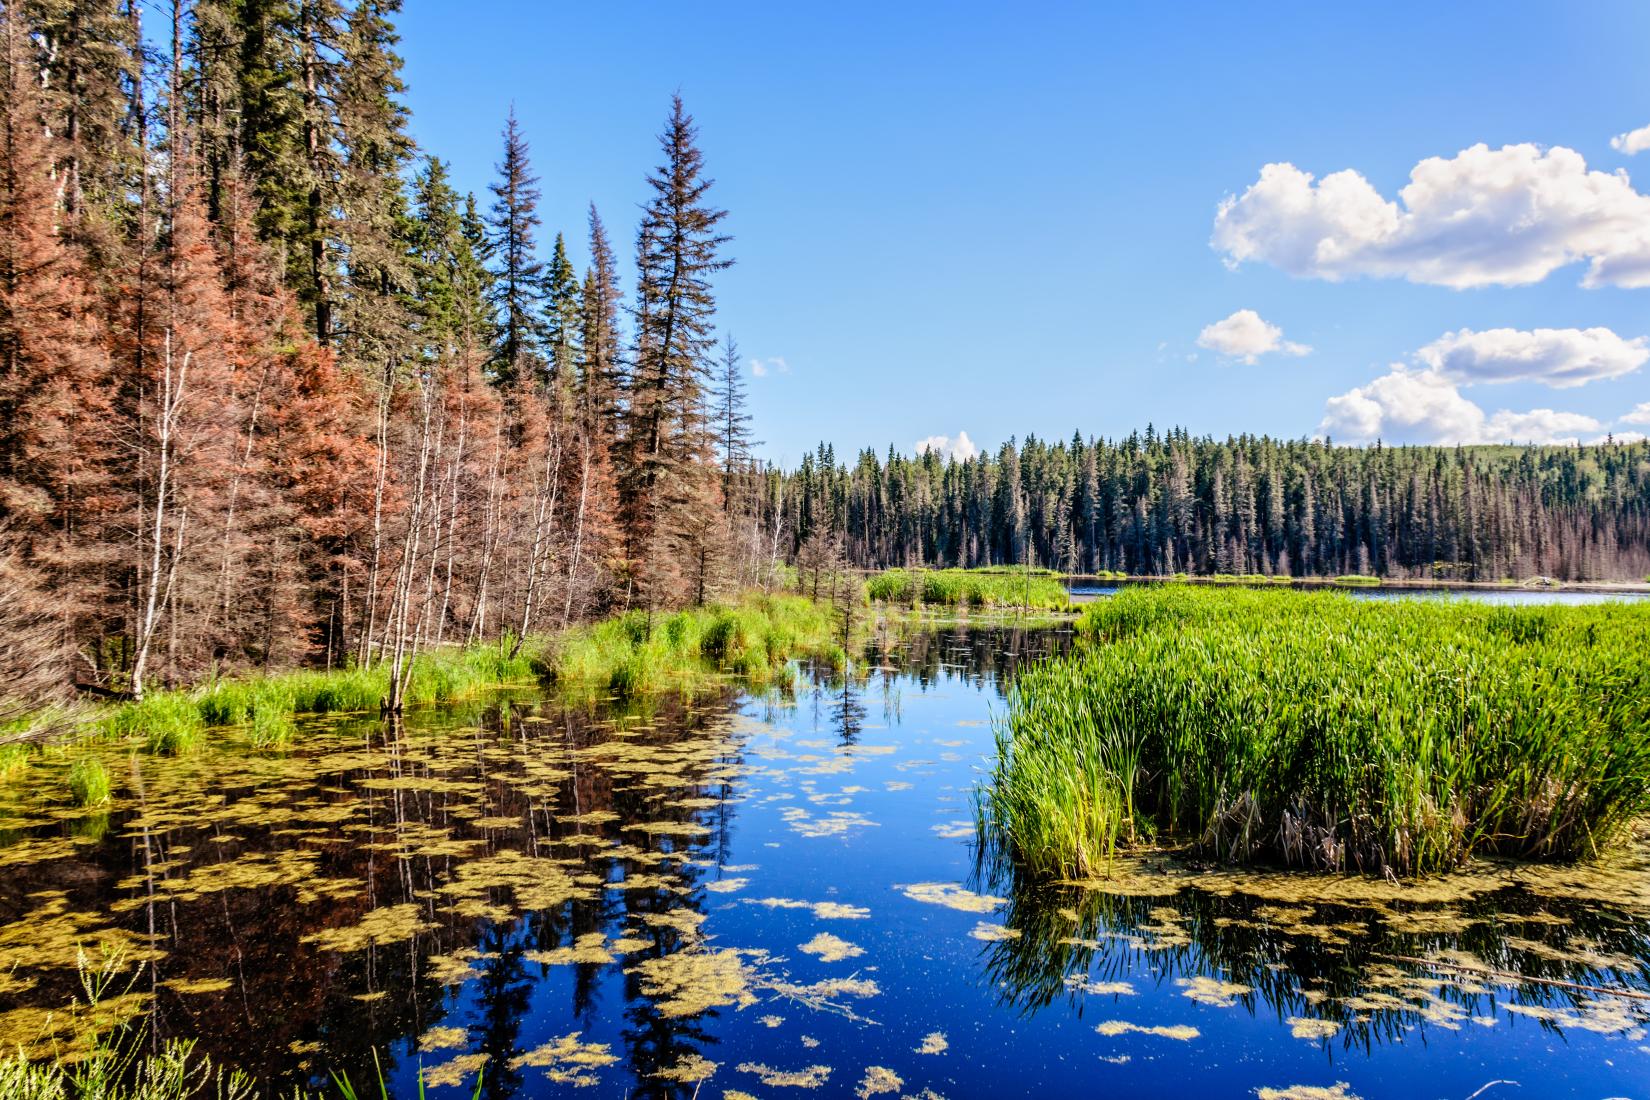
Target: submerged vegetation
<point>1030,589</point>
<point>1326,732</point>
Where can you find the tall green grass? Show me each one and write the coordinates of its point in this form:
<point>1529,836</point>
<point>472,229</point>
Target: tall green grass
<point>173,722</point>
<point>1326,732</point>
<point>639,652</point>
<point>1031,589</point>
<point>89,782</point>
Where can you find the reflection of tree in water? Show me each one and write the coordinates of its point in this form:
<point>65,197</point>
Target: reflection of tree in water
<point>981,655</point>
<point>1354,965</point>
<point>503,992</point>
<point>296,1012</point>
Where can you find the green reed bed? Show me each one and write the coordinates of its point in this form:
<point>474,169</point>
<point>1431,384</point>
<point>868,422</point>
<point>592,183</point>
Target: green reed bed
<point>1326,732</point>
<point>640,651</point>
<point>173,722</point>
<point>1031,589</point>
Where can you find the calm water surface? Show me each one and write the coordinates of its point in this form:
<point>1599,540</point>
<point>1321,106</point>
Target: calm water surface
<point>748,897</point>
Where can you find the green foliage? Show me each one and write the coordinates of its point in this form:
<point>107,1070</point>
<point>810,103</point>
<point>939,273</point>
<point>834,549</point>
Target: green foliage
<point>112,1059</point>
<point>13,759</point>
<point>1327,732</point>
<point>637,652</point>
<point>1031,589</point>
<point>1358,580</point>
<point>89,782</point>
<point>168,721</point>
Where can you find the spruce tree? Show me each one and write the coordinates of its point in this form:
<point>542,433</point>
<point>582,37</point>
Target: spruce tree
<point>669,481</point>
<point>561,315</point>
<point>518,274</point>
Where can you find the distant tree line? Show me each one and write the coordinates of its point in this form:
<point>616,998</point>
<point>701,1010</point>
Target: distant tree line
<point>272,390</point>
<point>1164,503</point>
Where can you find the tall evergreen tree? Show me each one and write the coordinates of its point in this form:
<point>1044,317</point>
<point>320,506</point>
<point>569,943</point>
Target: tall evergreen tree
<point>561,315</point>
<point>669,479</point>
<point>518,274</point>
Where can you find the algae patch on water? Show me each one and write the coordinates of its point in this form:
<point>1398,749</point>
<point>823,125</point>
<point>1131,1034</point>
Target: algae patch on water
<point>950,895</point>
<point>829,948</point>
<point>1181,1032</point>
<point>692,981</point>
<point>811,1077</point>
<point>567,1061</point>
<point>391,924</point>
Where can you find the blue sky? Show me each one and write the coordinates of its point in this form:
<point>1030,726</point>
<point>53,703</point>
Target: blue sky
<point>1001,219</point>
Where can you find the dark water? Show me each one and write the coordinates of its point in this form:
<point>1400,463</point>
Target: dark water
<point>747,897</point>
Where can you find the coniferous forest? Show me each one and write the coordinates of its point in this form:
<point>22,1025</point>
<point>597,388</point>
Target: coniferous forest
<point>1162,503</point>
<point>273,392</point>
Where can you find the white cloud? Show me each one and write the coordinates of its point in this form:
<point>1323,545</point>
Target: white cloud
<point>1508,216</point>
<point>1619,437</point>
<point>961,448</point>
<point>1639,415</point>
<point>1633,141</point>
<point>1423,406</point>
<point>1245,336</point>
<point>1557,357</point>
<point>761,368</point>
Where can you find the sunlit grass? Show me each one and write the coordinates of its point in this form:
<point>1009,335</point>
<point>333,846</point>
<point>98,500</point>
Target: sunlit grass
<point>1032,589</point>
<point>1327,732</point>
<point>641,652</point>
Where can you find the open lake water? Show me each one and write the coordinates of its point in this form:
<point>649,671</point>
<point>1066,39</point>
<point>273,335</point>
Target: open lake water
<point>776,896</point>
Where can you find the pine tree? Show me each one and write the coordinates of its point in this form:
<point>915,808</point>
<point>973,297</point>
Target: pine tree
<point>733,421</point>
<point>518,274</point>
<point>562,319</point>
<point>56,380</point>
<point>669,483</point>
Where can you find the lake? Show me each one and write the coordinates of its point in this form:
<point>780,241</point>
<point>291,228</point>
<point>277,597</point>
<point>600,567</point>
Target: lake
<point>779,895</point>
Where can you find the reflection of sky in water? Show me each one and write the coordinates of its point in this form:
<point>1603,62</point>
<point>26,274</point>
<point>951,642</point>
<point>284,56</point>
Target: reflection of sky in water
<point>802,909</point>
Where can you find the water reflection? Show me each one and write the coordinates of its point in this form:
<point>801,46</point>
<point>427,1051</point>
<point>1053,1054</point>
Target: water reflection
<point>1353,962</point>
<point>695,897</point>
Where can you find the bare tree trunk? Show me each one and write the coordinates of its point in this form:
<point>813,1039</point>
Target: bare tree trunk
<point>174,383</point>
<point>578,531</point>
<point>544,517</point>
<point>381,476</point>
<point>405,650</point>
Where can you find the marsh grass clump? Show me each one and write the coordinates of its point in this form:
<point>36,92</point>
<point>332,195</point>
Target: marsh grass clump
<point>169,722</point>
<point>1326,732</point>
<point>1358,580</point>
<point>1001,587</point>
<point>639,652</point>
<point>13,760</point>
<point>89,782</point>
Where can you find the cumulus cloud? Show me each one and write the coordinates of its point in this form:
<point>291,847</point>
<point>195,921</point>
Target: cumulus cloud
<point>1639,415</point>
<point>1557,357</point>
<point>1633,141</point>
<point>1508,216</point>
<point>761,368</point>
<point>1424,406</point>
<point>1245,336</point>
<point>959,447</point>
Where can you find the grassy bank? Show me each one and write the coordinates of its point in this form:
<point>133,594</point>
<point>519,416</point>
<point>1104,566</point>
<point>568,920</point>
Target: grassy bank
<point>641,651</point>
<point>1031,589</point>
<point>632,654</point>
<point>1326,732</point>
<point>173,721</point>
